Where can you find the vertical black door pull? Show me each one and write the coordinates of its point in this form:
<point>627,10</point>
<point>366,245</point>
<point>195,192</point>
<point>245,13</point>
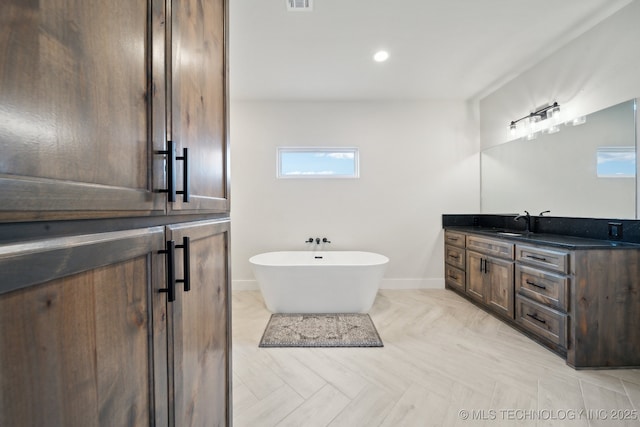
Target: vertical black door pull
<point>171,191</point>
<point>186,264</point>
<point>170,252</point>
<point>185,175</point>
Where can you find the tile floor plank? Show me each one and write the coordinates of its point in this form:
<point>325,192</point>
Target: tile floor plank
<point>442,355</point>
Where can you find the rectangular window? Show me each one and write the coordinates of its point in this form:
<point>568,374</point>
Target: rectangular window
<point>317,162</point>
<point>616,162</point>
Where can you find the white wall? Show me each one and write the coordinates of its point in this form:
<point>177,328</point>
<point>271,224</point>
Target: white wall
<point>418,160</point>
<point>598,69</point>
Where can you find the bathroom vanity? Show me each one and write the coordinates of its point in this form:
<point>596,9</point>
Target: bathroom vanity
<point>577,295</point>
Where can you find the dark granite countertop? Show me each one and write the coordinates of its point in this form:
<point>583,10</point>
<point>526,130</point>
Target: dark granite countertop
<point>547,239</point>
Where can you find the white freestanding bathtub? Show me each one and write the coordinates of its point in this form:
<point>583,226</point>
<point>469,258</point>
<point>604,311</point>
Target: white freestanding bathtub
<point>319,281</point>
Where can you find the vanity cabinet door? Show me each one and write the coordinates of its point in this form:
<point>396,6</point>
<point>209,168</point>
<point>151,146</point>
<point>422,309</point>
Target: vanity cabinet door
<point>83,331</point>
<point>475,276</point>
<point>198,119</point>
<point>500,288</point>
<point>75,118</point>
<point>490,281</point>
<point>201,342</point>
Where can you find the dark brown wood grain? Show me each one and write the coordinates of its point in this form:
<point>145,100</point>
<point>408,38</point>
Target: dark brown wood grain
<point>490,281</point>
<point>198,100</point>
<point>605,312</point>
<point>90,92</point>
<point>74,85</point>
<point>586,301</point>
<point>75,351</point>
<point>201,329</point>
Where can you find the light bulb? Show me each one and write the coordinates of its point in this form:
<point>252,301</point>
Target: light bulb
<point>381,56</point>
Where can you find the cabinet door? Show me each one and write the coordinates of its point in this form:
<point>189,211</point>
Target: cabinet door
<point>202,327</point>
<point>475,276</point>
<point>500,286</point>
<point>82,332</point>
<point>75,119</point>
<point>198,102</point>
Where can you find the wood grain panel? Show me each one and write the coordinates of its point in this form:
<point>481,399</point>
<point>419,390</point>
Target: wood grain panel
<point>605,316</point>
<point>454,239</point>
<point>75,108</point>
<point>75,351</point>
<point>499,283</point>
<point>454,256</point>
<point>544,287</point>
<point>198,106</point>
<point>493,247</point>
<point>201,325</point>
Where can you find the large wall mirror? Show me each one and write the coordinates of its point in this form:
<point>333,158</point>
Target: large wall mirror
<point>586,170</point>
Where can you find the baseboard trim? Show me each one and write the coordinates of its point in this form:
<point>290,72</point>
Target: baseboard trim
<point>412,284</point>
<point>252,285</point>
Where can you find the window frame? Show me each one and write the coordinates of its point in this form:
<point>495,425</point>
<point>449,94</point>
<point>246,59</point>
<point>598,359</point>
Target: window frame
<point>317,149</point>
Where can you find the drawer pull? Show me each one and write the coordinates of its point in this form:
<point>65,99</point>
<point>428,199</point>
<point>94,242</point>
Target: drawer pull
<point>454,256</point>
<point>454,277</point>
<point>455,239</point>
<point>536,318</point>
<point>528,282</point>
<point>537,258</point>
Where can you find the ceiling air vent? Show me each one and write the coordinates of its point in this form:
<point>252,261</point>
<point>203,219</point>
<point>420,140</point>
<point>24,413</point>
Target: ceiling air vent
<point>299,5</point>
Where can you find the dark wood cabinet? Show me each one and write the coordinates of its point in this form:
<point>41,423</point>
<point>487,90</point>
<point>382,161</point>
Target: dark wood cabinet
<point>198,102</point>
<point>79,125</point>
<point>200,321</point>
<point>581,301</point>
<point>455,260</point>
<point>83,331</point>
<point>489,271</point>
<point>93,96</point>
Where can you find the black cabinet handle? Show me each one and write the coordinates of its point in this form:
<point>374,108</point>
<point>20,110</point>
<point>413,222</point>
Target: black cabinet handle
<point>454,256</point>
<point>171,191</point>
<point>537,258</point>
<point>481,265</point>
<point>536,318</point>
<point>185,175</point>
<point>528,282</point>
<point>486,266</point>
<point>451,276</point>
<point>170,253</point>
<point>186,261</point>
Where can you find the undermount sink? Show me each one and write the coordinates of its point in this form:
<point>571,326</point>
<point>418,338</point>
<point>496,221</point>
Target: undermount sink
<point>508,233</point>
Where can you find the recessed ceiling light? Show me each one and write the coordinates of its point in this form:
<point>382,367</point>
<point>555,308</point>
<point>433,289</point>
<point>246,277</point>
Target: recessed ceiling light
<point>381,56</point>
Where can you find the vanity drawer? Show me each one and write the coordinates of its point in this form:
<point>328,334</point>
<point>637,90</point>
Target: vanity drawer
<point>454,239</point>
<point>547,258</point>
<point>455,277</point>
<point>454,256</point>
<point>542,321</point>
<point>497,248</point>
<point>543,287</point>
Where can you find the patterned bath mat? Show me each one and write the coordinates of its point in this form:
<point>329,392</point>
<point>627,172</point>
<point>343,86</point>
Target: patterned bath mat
<point>320,330</point>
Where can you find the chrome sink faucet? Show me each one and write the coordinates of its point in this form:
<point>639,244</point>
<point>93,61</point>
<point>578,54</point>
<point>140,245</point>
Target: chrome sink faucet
<point>527,219</point>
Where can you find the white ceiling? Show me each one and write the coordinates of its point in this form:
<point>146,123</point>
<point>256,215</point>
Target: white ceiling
<point>439,49</point>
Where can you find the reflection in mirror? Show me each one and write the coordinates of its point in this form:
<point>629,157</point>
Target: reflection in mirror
<point>581,171</point>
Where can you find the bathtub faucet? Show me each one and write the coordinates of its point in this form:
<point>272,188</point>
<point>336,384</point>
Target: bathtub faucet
<point>317,240</point>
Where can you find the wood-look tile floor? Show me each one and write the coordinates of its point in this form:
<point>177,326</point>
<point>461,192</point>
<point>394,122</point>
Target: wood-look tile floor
<point>444,362</point>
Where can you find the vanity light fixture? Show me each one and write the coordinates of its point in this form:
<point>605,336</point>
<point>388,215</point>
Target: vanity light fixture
<point>543,119</point>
